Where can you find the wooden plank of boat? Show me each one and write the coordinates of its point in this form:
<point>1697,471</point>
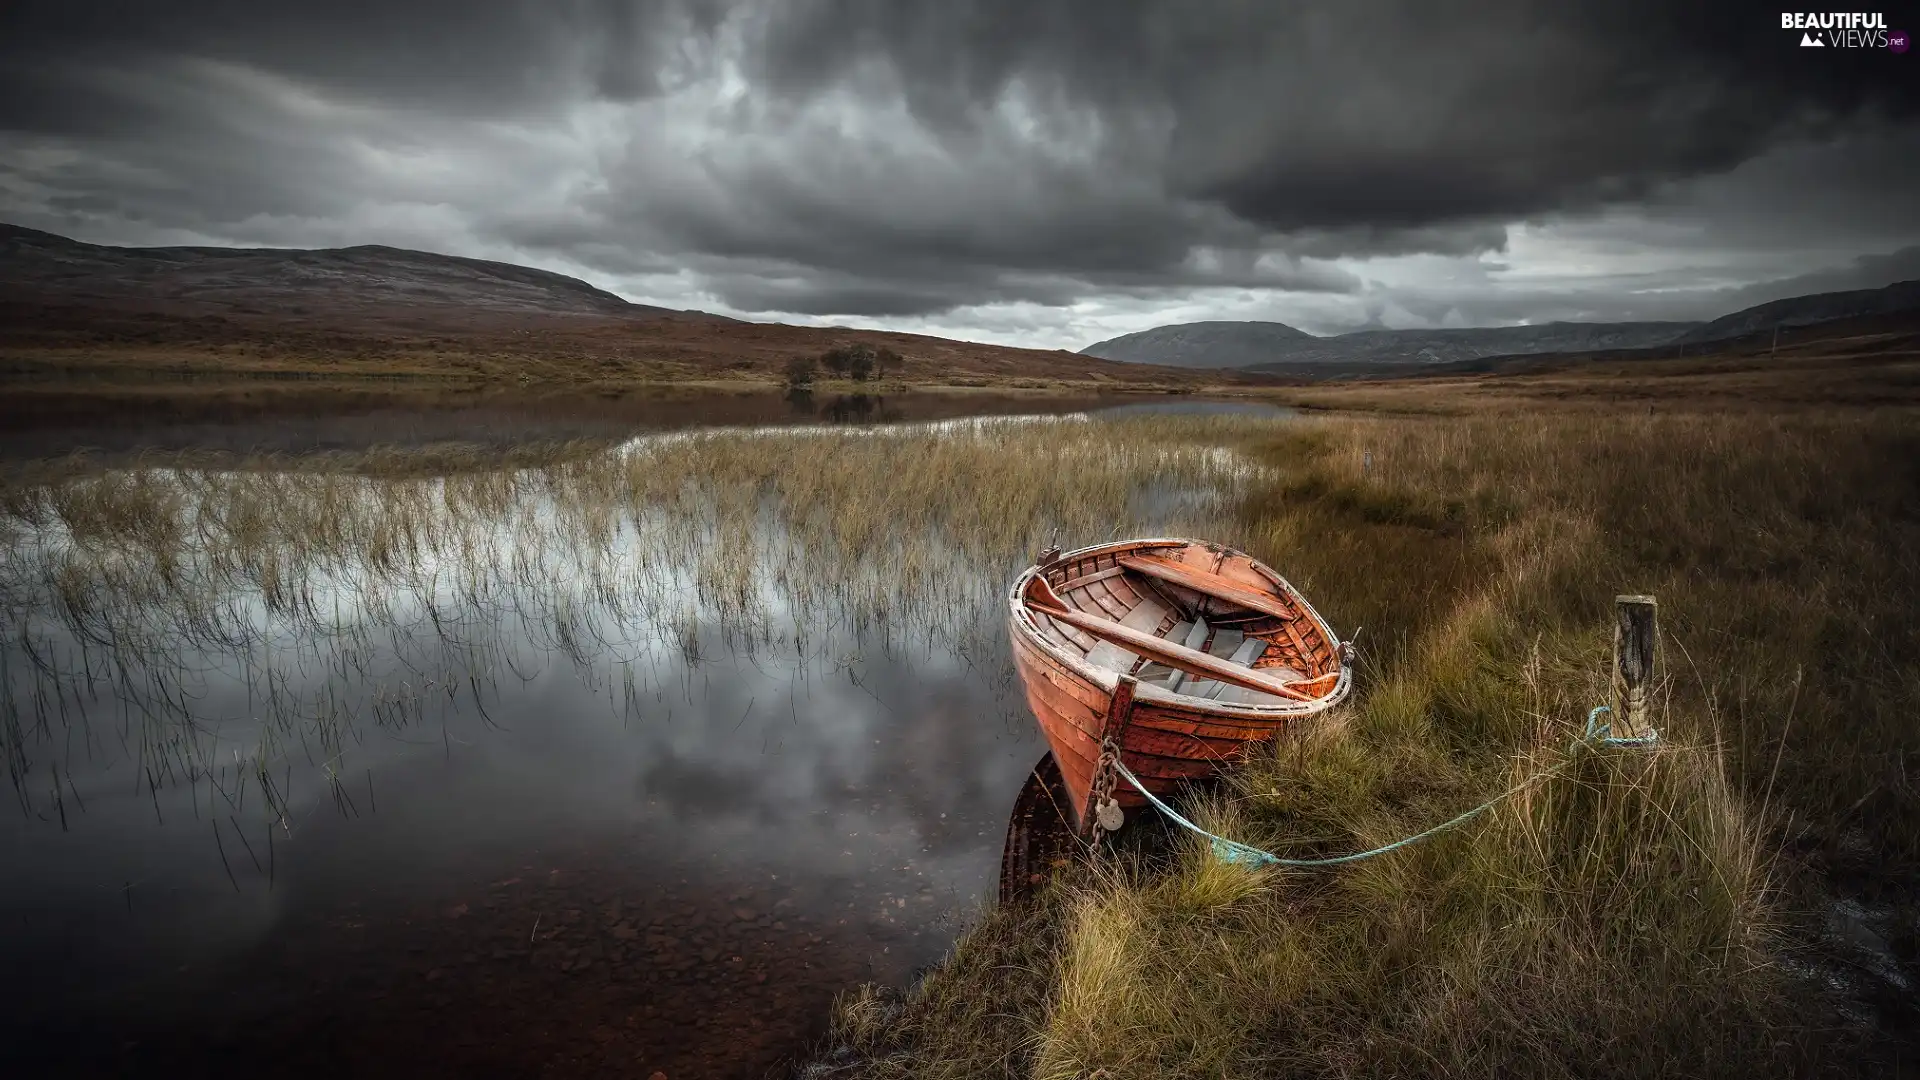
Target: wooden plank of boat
<point>1196,637</point>
<point>1088,579</point>
<point>1143,618</point>
<point>1191,661</point>
<point>1244,654</point>
<point>1210,584</point>
<point>1314,687</point>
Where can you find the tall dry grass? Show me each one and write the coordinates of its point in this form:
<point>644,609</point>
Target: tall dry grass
<point>1634,912</point>
<point>392,570</point>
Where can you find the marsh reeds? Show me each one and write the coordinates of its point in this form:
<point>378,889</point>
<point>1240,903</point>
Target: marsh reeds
<point>379,595</point>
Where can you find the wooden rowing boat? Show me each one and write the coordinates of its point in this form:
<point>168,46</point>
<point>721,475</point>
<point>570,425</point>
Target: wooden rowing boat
<point>1181,652</point>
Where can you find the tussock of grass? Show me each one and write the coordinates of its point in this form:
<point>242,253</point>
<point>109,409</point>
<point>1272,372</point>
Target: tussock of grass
<point>1533,942</point>
<point>968,1018</point>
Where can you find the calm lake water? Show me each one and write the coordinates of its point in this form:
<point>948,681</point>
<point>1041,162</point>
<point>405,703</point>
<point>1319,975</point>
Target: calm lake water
<point>33,426</point>
<point>536,804</point>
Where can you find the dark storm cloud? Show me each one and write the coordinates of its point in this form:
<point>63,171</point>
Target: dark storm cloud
<point>904,159</point>
<point>1372,113</point>
<point>477,56</point>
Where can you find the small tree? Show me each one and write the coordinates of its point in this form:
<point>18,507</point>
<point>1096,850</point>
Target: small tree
<point>886,361</point>
<point>835,359</point>
<point>799,372</point>
<point>860,362</point>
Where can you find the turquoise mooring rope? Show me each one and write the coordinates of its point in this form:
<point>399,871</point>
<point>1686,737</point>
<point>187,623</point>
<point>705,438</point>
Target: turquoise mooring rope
<point>1233,851</point>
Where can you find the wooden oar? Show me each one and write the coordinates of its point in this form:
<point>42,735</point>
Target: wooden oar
<point>1042,598</point>
<point>1214,585</point>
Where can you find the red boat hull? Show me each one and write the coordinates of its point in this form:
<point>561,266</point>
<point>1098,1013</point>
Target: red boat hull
<point>1166,738</point>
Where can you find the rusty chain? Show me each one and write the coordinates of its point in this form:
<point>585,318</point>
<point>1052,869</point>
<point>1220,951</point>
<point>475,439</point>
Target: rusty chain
<point>1107,813</point>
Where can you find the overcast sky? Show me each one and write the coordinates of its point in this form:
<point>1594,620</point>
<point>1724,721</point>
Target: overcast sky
<point>1036,172</point>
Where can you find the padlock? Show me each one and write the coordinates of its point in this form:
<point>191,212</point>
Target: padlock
<point>1110,817</point>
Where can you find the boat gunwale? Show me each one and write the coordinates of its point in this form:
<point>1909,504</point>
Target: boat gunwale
<point>1107,679</point>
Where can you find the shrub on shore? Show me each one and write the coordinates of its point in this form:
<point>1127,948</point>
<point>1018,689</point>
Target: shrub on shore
<point>859,362</point>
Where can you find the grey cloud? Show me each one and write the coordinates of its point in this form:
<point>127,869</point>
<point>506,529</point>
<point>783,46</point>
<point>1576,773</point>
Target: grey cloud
<point>1474,301</point>
<point>826,295</point>
<point>1371,113</point>
<point>1865,272</point>
<point>809,220</point>
<point>464,56</point>
<point>1366,241</point>
<point>913,161</point>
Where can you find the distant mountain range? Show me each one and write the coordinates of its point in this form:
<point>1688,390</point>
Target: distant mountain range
<point>330,282</point>
<point>1276,348</point>
<point>1273,346</point>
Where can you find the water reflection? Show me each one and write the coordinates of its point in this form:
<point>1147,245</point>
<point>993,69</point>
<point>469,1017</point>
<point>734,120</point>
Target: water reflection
<point>855,409</point>
<point>621,765</point>
<point>1041,833</point>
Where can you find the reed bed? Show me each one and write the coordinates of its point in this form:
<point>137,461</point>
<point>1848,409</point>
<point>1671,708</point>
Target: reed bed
<point>381,592</point>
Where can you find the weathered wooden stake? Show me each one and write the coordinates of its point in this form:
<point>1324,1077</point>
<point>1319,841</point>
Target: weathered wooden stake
<point>1636,630</point>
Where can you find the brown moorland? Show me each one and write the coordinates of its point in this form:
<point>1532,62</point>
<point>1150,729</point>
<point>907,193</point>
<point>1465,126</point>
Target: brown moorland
<point>84,372</point>
<point>52,344</point>
<point>1868,362</point>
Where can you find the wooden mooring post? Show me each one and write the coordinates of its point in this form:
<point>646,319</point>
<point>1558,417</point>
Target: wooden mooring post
<point>1636,632</point>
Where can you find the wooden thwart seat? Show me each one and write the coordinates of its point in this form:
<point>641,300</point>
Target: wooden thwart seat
<point>1220,588</point>
<point>1041,598</point>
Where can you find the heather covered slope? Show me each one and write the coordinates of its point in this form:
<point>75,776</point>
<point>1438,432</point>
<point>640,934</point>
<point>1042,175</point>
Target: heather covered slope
<point>49,269</point>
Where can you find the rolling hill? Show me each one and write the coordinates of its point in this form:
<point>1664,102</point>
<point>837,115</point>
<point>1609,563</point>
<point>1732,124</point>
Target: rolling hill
<point>1204,344</point>
<point>328,283</point>
<point>1797,311</point>
<point>1276,348</point>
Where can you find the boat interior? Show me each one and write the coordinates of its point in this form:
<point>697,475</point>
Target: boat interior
<point>1230,613</point>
